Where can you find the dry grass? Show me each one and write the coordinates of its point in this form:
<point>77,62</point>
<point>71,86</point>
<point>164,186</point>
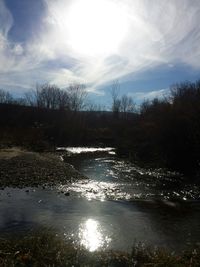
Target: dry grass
<point>46,249</point>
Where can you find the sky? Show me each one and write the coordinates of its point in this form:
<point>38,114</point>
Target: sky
<point>147,45</point>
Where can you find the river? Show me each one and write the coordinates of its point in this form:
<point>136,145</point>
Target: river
<point>119,205</point>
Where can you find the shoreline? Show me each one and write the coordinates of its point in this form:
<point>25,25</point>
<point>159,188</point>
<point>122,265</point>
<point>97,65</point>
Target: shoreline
<point>21,168</point>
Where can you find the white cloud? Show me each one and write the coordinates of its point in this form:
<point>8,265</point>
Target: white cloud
<point>95,91</point>
<point>158,32</point>
<point>141,96</point>
<point>6,19</point>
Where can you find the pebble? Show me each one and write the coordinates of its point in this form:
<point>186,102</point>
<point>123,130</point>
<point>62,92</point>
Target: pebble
<point>32,169</point>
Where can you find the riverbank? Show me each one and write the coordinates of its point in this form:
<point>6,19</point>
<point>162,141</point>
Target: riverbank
<point>45,248</point>
<point>21,168</point>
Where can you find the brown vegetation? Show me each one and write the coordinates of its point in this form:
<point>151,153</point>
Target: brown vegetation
<point>46,249</point>
<point>164,133</point>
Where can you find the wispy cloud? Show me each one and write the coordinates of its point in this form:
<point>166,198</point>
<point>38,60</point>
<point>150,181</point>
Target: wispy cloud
<point>141,96</point>
<point>6,20</point>
<point>158,32</point>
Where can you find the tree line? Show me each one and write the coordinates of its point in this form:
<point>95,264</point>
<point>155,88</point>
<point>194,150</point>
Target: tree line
<point>74,98</point>
<point>50,97</point>
<point>166,132</point>
<point>163,133</point>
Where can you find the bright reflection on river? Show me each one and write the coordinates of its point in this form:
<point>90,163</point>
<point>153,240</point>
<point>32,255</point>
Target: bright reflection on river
<point>92,189</point>
<point>91,236</point>
<point>79,150</point>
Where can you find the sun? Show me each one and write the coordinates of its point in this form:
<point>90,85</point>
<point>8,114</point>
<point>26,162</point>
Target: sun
<point>95,27</point>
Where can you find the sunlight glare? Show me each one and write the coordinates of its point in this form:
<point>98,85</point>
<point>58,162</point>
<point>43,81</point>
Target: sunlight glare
<point>91,236</point>
<point>96,27</point>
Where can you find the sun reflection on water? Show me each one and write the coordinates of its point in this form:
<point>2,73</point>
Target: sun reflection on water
<point>91,236</point>
<point>91,189</point>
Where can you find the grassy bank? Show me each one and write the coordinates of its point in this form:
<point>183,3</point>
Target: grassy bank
<point>45,248</point>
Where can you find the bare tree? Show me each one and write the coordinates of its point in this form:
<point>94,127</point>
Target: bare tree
<point>35,97</point>
<point>48,96</point>
<point>30,98</point>
<point>52,97</point>
<point>96,107</point>
<point>127,104</point>
<point>145,105</point>
<point>5,97</point>
<point>21,101</point>
<point>116,102</point>
<point>77,96</point>
<point>63,100</point>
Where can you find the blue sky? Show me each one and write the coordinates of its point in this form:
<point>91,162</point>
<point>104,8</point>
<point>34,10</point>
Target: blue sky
<point>145,45</point>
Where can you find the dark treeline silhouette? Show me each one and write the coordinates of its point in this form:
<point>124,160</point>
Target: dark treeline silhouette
<point>52,97</point>
<point>167,131</point>
<point>41,128</point>
<point>123,104</point>
<point>48,116</point>
<point>164,133</point>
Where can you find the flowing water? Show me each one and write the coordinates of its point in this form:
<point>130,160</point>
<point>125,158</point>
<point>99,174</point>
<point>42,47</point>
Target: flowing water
<point>119,204</point>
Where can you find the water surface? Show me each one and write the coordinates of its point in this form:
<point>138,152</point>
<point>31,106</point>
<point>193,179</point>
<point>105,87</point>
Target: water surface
<point>118,205</point>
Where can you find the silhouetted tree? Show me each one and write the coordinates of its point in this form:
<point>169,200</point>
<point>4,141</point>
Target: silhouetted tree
<point>48,96</point>
<point>63,100</point>
<point>5,97</point>
<point>77,96</point>
<point>116,102</point>
<point>127,104</point>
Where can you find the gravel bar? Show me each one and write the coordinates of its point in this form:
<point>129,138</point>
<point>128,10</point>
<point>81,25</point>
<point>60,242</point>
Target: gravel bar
<point>20,168</point>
